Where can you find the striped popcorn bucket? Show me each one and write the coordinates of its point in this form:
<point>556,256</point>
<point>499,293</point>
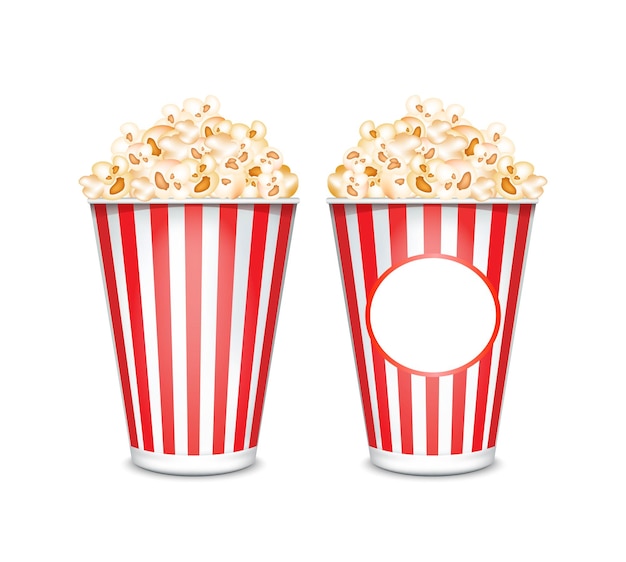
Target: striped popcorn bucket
<point>431,290</point>
<point>193,291</point>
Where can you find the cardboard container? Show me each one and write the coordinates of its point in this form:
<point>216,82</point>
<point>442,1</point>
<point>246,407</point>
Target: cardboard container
<point>193,289</point>
<point>432,289</point>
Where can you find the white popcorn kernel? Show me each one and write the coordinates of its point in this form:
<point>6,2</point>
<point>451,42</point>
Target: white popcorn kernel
<point>188,131</point>
<point>250,191</point>
<point>112,177</point>
<point>347,183</point>
<point>201,110</point>
<point>172,114</point>
<point>437,131</point>
<point>485,156</point>
<point>411,126</point>
<point>140,156</point>
<point>424,110</point>
<point>222,126</point>
<point>494,134</point>
<point>403,146</point>
<point>204,185</point>
<point>173,148</point>
<point>471,135</point>
<point>142,188</point>
<point>357,160</point>
<point>209,125</point>
<point>511,177</point>
<point>159,176</point>
<point>428,149</point>
<point>130,135</point>
<point>93,187</point>
<point>452,148</point>
<point>251,140</point>
<point>394,184</point>
<point>221,146</point>
<point>483,188</point>
<point>154,135</point>
<point>414,106</point>
<point>457,177</point>
<point>375,190</point>
<point>423,184</point>
<point>455,114</point>
<point>532,187</point>
<point>230,185</point>
<point>257,130</point>
<point>269,185</point>
<point>269,160</point>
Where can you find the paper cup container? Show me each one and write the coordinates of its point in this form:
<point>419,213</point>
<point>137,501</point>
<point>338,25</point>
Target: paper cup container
<point>431,290</point>
<point>193,291</point>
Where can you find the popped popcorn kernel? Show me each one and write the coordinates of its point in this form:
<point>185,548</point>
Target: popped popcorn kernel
<point>434,152</point>
<point>191,152</point>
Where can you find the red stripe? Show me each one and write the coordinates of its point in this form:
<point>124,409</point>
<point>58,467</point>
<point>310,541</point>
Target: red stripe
<point>432,245</point>
<point>509,318</point>
<point>465,232</point>
<point>345,259</point>
<point>432,229</point>
<point>465,252</point>
<point>432,415</point>
<point>255,279</point>
<point>370,276</point>
<point>193,289</point>
<point>280,259</point>
<point>133,288</point>
<point>494,267</point>
<point>225,278</point>
<point>104,236</point>
<point>161,261</point>
<point>399,253</point>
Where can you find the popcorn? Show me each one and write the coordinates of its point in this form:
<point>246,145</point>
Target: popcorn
<point>433,152</point>
<point>109,180</point>
<point>192,152</point>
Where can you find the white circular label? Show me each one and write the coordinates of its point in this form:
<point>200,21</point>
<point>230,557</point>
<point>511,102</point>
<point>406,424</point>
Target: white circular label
<point>433,315</point>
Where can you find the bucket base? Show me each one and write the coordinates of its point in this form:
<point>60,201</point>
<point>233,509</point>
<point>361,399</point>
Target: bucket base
<point>193,465</point>
<point>432,465</point>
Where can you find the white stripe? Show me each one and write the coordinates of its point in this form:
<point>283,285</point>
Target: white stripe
<point>481,237</point>
<point>449,229</point>
<point>359,285</point>
<point>471,388</point>
<point>178,291</point>
<point>143,229</point>
<point>120,279</point>
<point>271,242</point>
<point>208,321</point>
<point>503,291</point>
<point>240,290</point>
<point>445,415</point>
<point>415,230</point>
<point>418,396</point>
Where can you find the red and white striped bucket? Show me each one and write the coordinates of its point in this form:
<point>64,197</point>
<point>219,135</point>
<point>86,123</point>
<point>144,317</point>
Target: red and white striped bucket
<point>193,290</point>
<point>431,290</point>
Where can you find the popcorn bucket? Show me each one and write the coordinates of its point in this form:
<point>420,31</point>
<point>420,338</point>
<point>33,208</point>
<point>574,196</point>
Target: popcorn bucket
<point>431,290</point>
<point>193,291</point>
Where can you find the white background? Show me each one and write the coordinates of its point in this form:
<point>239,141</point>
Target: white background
<point>72,73</point>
